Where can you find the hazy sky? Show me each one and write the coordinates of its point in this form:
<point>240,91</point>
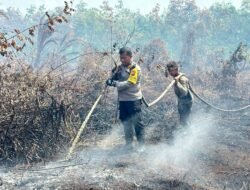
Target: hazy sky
<point>143,5</point>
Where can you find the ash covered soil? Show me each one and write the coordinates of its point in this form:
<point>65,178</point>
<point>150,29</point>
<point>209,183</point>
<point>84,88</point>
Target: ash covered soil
<point>213,153</point>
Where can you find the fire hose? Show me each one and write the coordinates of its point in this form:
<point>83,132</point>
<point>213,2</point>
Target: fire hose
<point>196,95</point>
<point>213,106</point>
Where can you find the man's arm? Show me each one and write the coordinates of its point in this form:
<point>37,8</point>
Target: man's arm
<point>132,80</point>
<point>183,85</point>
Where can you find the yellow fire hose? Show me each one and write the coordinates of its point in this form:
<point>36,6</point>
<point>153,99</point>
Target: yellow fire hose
<point>72,148</point>
<point>161,96</point>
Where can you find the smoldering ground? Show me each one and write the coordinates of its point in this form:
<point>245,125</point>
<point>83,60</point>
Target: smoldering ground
<point>183,163</point>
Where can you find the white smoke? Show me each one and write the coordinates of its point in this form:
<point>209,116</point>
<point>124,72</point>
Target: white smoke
<point>113,138</point>
<point>188,143</point>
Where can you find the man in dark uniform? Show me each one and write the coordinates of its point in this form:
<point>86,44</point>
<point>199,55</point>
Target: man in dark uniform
<point>126,77</point>
<point>181,88</point>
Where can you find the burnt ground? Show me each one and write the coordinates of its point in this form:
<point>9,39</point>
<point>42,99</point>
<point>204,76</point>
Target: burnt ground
<point>213,153</point>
